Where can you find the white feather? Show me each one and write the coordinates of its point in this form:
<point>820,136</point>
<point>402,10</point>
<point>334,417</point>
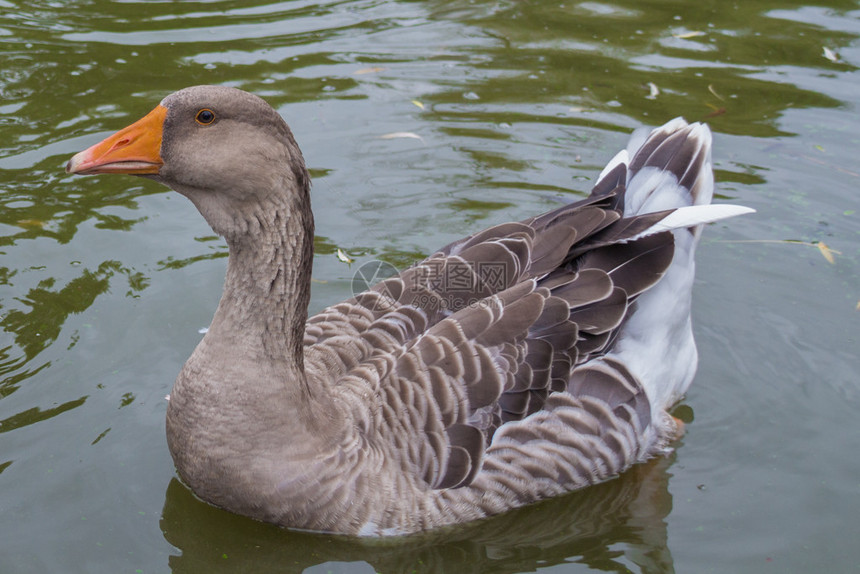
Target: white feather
<point>695,215</point>
<point>620,157</point>
<point>656,343</point>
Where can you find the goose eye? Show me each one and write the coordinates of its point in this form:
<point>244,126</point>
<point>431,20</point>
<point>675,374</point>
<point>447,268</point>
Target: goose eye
<point>205,117</point>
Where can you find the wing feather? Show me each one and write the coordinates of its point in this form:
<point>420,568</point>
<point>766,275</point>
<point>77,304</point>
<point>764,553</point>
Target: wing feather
<point>489,354</point>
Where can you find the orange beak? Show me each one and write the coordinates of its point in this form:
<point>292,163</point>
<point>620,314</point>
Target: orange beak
<point>135,149</point>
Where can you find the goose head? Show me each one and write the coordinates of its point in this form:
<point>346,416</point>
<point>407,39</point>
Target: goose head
<point>226,150</point>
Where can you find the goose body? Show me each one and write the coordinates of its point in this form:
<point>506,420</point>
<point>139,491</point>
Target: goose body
<point>520,363</point>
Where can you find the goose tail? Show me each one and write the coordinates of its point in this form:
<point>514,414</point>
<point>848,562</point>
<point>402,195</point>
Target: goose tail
<point>668,168</point>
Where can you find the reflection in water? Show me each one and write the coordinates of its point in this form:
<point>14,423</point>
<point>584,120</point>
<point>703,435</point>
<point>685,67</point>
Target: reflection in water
<point>36,205</point>
<point>519,101</point>
<point>47,309</point>
<point>38,323</point>
<point>36,414</point>
<point>607,527</point>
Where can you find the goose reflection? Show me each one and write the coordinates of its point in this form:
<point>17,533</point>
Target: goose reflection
<point>607,527</point>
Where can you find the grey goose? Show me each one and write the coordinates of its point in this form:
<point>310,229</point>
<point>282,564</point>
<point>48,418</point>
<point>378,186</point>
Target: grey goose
<point>547,366</point>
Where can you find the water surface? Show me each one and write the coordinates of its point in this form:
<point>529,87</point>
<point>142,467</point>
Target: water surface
<point>502,110</point>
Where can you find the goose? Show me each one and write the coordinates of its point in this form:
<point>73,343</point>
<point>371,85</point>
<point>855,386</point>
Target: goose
<point>525,361</point>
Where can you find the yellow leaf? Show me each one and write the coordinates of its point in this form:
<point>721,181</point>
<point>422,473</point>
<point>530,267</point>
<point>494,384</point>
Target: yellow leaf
<point>713,91</point>
<point>685,35</point>
<point>419,104</point>
<point>341,254</point>
<point>373,70</point>
<point>31,223</point>
<point>826,251</point>
<point>857,308</point>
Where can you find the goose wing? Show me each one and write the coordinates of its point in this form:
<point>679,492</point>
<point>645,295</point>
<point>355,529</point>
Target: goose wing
<point>478,335</point>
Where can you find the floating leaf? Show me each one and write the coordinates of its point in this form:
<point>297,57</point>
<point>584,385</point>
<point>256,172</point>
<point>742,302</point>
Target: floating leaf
<point>831,166</point>
<point>341,254</point>
<point>655,91</point>
<point>826,252</point>
<point>396,135</point>
<point>31,223</point>
<point>820,148</point>
<point>372,70</point>
<point>419,104</point>
<point>857,308</point>
<point>713,91</point>
<point>685,35</point>
<point>831,55</point>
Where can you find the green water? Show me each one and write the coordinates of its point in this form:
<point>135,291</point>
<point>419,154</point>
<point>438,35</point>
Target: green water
<point>502,110</point>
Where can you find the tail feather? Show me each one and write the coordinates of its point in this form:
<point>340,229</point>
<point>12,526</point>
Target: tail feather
<point>668,168</point>
<point>693,216</point>
<point>671,168</point>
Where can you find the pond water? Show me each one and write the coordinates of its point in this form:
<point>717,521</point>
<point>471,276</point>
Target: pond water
<point>424,121</point>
